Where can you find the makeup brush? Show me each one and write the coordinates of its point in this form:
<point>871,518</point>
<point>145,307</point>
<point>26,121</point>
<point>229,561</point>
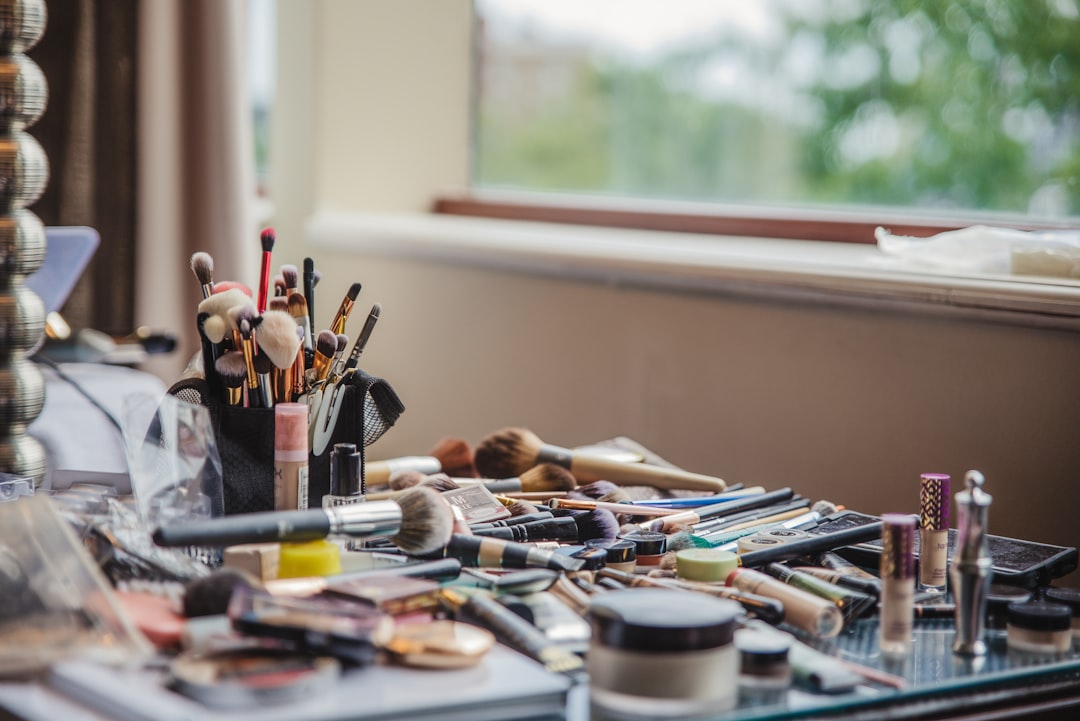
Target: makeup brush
<point>721,509</point>
<point>298,309</point>
<point>202,265</point>
<point>511,451</point>
<point>517,506</point>
<point>278,339</point>
<point>377,473</point>
<point>479,551</point>
<point>364,337</point>
<point>219,304</point>
<point>263,371</point>
<point>267,238</point>
<point>325,347</point>
<point>309,291</point>
<point>278,303</point>
<point>232,370</point>
<point>546,477</point>
<point>337,325</point>
<point>291,276</point>
<point>455,454</point>
<point>418,521</point>
<point>337,363</point>
<point>279,286</point>
<point>210,354</point>
<point>591,491</point>
<point>611,507</point>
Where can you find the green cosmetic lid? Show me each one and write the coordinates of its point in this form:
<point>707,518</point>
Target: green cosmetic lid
<point>705,564</point>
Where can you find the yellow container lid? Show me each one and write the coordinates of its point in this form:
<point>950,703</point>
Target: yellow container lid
<point>310,558</point>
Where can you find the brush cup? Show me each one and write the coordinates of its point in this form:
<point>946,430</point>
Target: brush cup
<point>24,173</point>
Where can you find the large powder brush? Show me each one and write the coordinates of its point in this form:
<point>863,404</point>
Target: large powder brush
<point>512,451</point>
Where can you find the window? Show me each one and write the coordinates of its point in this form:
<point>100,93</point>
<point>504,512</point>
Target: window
<point>261,72</point>
<point>927,110</point>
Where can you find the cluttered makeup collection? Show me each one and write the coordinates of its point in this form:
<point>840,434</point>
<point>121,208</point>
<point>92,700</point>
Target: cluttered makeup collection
<point>263,559</point>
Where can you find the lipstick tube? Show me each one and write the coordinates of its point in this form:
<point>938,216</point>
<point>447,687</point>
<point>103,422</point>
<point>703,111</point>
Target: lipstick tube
<point>933,531</point>
<point>897,583</point>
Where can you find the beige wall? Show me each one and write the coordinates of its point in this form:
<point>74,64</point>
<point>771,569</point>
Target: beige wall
<point>839,403</point>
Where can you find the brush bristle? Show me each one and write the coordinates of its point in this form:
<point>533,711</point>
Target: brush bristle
<point>547,477</point>
<point>278,303</point>
<point>231,367</point>
<point>210,595</point>
<point>518,507</point>
<point>341,342</point>
<point>426,521</point>
<point>297,305</point>
<point>354,290</point>
<point>214,328</point>
<point>279,286</point>
<point>455,455</point>
<point>405,478</point>
<point>290,275</point>
<point>316,276</point>
<point>597,523</point>
<point>202,265</point>
<point>277,338</point>
<point>440,482</point>
<point>262,363</point>
<point>592,491</point>
<point>267,237</point>
<point>326,342</point>
<point>825,508</point>
<point>617,496</point>
<point>507,453</point>
<point>680,540</point>
<point>238,314</point>
<point>220,302</point>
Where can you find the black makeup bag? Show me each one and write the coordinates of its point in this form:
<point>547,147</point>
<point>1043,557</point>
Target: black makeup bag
<point>245,438</point>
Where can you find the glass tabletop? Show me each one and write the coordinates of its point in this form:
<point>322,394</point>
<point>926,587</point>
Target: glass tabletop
<point>930,670</point>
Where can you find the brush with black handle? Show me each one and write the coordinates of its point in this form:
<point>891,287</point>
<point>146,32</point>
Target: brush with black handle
<point>418,521</point>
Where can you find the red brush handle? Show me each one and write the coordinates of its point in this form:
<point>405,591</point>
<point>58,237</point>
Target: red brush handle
<point>264,282</point>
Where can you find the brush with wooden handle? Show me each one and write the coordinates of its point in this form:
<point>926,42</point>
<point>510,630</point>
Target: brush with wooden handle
<point>512,451</point>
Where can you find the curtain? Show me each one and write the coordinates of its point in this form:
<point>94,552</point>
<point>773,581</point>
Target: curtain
<point>87,131</point>
<point>148,134</point>
<point>196,176</point>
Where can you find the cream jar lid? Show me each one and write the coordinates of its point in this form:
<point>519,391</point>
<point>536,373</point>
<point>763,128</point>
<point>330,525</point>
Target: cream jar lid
<point>662,620</point>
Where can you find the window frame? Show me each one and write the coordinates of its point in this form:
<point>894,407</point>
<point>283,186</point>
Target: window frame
<point>810,222</point>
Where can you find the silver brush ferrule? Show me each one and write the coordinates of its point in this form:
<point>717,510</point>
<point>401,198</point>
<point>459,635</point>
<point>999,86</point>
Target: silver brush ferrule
<point>365,520</point>
<point>971,569</point>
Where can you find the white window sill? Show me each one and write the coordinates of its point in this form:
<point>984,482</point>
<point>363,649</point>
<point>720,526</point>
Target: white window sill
<point>798,271</point>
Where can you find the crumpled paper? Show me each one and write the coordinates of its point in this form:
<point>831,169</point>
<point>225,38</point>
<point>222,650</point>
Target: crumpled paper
<point>988,249</point>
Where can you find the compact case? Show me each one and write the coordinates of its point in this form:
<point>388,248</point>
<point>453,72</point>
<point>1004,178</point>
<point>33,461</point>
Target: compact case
<point>245,438</point>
